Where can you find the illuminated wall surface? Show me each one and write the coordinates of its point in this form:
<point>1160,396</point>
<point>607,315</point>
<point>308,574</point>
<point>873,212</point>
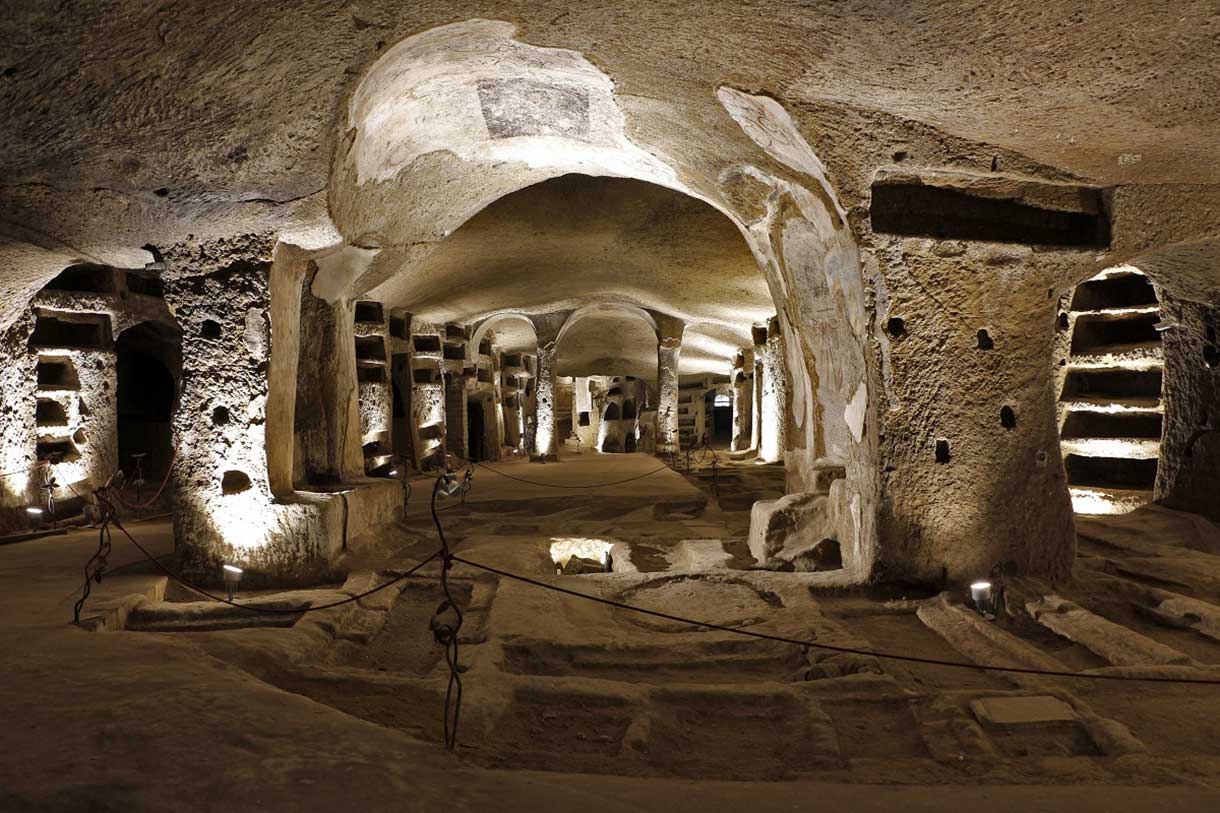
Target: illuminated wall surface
<point>1047,340</point>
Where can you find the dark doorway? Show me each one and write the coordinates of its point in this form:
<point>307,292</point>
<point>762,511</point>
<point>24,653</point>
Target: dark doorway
<point>475,431</point>
<point>719,423</point>
<point>400,425</point>
<point>148,358</point>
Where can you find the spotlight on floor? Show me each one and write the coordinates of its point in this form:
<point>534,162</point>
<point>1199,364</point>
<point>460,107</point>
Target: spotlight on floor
<point>232,576</point>
<point>980,596</point>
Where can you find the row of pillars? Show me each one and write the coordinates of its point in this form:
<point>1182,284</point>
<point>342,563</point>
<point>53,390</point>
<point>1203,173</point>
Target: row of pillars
<point>669,351</point>
<point>768,394</point>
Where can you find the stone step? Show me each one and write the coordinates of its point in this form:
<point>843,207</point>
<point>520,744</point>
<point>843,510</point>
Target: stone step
<point>1114,447</point>
<point>1103,309</point>
<point>1115,404</point>
<point>1130,356</point>
<point>1115,643</point>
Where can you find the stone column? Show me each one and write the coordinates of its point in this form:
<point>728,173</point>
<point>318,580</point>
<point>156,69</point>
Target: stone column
<point>327,415</point>
<point>1190,443</point>
<point>224,508</point>
<point>743,401</point>
<point>546,434</point>
<point>669,352</point>
<point>774,399</point>
<point>456,441</point>
<point>546,442</point>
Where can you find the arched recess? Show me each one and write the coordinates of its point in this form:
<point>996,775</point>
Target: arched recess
<point>608,339</point>
<point>469,108</point>
<point>515,338</point>
<point>519,326</point>
<point>148,366</point>
<point>1110,377</point>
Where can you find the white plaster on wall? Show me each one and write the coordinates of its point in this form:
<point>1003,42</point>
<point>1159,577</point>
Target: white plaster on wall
<point>446,81</point>
<point>856,409</point>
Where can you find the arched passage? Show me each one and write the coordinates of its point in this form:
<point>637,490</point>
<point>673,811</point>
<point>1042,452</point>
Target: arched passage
<point>437,103</point>
<point>148,361</point>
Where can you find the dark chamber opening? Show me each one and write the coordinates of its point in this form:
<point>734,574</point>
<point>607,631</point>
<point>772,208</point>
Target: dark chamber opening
<point>475,431</point>
<point>147,390</point>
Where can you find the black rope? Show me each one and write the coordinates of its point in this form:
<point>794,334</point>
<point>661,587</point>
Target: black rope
<point>95,568</point>
<point>556,485</point>
<point>108,518</point>
<point>446,634</point>
<point>829,647</point>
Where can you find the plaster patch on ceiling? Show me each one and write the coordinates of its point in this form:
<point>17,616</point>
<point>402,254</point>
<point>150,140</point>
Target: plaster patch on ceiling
<point>472,89</point>
<point>525,107</point>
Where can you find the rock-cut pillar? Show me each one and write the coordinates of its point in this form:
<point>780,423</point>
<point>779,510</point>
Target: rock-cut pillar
<point>546,434</point>
<point>669,352</point>
<point>546,441</point>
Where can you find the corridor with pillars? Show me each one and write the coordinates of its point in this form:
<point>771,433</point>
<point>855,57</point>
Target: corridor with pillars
<point>485,405</point>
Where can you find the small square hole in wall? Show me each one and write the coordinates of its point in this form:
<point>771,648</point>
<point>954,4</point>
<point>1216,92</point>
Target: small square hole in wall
<point>369,312</point>
<point>57,374</point>
<point>584,419</point>
<point>50,413</point>
<point>370,374</point>
<point>398,327</point>
<point>942,451</point>
<point>427,344</point>
<point>370,348</point>
<point>90,332</point>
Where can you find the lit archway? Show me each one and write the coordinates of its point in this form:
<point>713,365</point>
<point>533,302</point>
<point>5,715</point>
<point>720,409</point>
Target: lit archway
<point>469,108</point>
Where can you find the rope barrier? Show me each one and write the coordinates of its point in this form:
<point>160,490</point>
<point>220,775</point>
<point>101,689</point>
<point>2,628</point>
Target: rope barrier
<point>446,634</point>
<point>108,518</point>
<point>830,647</point>
<point>272,610</point>
<point>168,471</point>
<point>40,464</point>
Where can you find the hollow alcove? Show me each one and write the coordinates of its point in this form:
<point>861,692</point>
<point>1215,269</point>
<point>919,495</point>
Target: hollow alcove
<point>718,419</point>
<point>1111,371</point>
<point>476,431</point>
<point>148,361</point>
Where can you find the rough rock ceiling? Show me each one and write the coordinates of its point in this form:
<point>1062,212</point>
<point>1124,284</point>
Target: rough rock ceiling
<point>577,240</point>
<point>132,123</point>
<point>609,344</point>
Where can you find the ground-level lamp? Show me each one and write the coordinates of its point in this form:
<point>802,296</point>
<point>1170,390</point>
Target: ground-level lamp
<point>232,577</point>
<point>981,597</point>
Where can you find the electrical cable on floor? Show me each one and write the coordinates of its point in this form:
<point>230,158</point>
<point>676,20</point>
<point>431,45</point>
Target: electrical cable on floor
<point>108,518</point>
<point>446,634</point>
<point>556,485</point>
<point>270,610</point>
<point>95,568</point>
<point>830,647</point>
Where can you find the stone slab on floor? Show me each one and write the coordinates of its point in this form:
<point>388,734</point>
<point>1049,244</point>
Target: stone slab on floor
<point>1022,712</point>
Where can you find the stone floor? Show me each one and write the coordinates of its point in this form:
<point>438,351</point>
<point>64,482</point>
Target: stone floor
<point>193,707</point>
